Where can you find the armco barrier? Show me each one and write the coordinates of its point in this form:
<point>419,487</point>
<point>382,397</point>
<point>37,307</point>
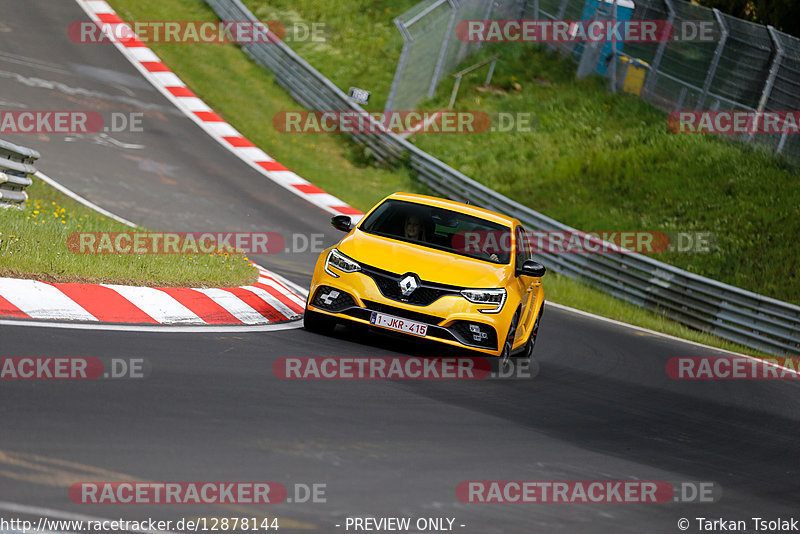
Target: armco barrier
<point>16,164</point>
<point>729,312</point>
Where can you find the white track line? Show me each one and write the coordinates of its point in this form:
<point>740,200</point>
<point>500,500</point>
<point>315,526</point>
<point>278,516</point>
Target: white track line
<point>576,311</point>
<point>52,183</point>
<point>210,329</point>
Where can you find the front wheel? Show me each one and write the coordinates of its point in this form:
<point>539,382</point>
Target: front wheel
<point>505,355</point>
<point>527,352</point>
<point>318,323</point>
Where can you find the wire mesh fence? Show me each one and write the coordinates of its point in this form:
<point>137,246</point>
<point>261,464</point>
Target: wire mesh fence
<point>431,49</point>
<point>735,65</point>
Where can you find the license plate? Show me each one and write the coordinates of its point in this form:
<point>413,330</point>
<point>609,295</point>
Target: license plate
<point>399,324</point>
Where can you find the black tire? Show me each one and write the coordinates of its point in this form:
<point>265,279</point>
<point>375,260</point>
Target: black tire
<point>318,323</point>
<point>527,352</point>
<point>505,355</point>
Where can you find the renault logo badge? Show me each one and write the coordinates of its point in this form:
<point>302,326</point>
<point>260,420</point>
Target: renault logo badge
<point>408,284</point>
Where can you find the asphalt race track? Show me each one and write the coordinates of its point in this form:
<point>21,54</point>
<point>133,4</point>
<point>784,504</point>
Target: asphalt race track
<point>211,409</point>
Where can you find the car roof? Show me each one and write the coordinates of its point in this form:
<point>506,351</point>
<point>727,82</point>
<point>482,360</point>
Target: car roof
<point>460,207</point>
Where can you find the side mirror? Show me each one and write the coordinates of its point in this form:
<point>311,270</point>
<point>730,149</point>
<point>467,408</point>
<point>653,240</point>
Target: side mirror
<point>342,222</point>
<point>533,268</point>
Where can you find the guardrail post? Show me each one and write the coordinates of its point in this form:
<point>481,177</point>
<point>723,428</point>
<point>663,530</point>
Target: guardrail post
<point>651,80</point>
<point>712,70</point>
<point>16,168</point>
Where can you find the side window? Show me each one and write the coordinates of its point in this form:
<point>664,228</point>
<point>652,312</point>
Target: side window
<point>523,250</point>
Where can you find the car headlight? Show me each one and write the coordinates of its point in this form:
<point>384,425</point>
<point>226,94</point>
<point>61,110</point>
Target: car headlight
<point>341,262</point>
<point>497,297</point>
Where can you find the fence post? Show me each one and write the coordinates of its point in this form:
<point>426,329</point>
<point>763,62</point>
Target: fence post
<point>782,142</point>
<point>489,8</point>
<point>524,8</point>
<point>401,64</point>
<point>613,49</point>
<point>712,70</point>
<point>562,9</point>
<point>651,80</point>
<point>443,51</point>
<point>770,83</point>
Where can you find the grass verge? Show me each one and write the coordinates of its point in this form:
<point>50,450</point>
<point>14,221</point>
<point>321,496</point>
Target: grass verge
<point>33,244</point>
<point>328,161</point>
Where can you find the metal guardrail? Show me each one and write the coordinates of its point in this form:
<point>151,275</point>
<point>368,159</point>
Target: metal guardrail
<point>729,312</point>
<point>16,164</point>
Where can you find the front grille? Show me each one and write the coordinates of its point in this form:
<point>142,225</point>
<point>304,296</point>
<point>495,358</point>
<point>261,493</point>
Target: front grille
<point>463,330</point>
<point>332,299</point>
<point>389,285</point>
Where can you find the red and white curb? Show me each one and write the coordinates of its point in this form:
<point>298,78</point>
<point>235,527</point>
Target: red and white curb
<point>270,300</point>
<point>267,301</point>
<point>158,74</point>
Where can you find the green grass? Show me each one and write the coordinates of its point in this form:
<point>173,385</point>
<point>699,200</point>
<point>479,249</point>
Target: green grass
<point>545,168</point>
<point>33,244</point>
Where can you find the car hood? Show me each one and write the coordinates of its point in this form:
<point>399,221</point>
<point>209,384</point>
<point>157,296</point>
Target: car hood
<point>429,264</point>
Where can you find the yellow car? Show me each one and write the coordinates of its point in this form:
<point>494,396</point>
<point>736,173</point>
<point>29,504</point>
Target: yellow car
<point>432,268</point>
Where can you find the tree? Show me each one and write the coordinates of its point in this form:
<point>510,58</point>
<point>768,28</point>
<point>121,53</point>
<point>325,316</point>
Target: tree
<point>784,15</point>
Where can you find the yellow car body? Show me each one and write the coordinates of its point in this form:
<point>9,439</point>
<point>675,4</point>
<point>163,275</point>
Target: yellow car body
<point>388,265</point>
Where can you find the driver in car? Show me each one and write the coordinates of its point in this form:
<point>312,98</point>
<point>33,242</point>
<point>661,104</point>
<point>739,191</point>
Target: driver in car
<point>414,229</point>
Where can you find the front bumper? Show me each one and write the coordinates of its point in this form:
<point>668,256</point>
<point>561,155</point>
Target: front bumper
<point>451,319</point>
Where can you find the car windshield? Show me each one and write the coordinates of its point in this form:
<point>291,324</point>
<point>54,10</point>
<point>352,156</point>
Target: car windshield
<point>441,229</point>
